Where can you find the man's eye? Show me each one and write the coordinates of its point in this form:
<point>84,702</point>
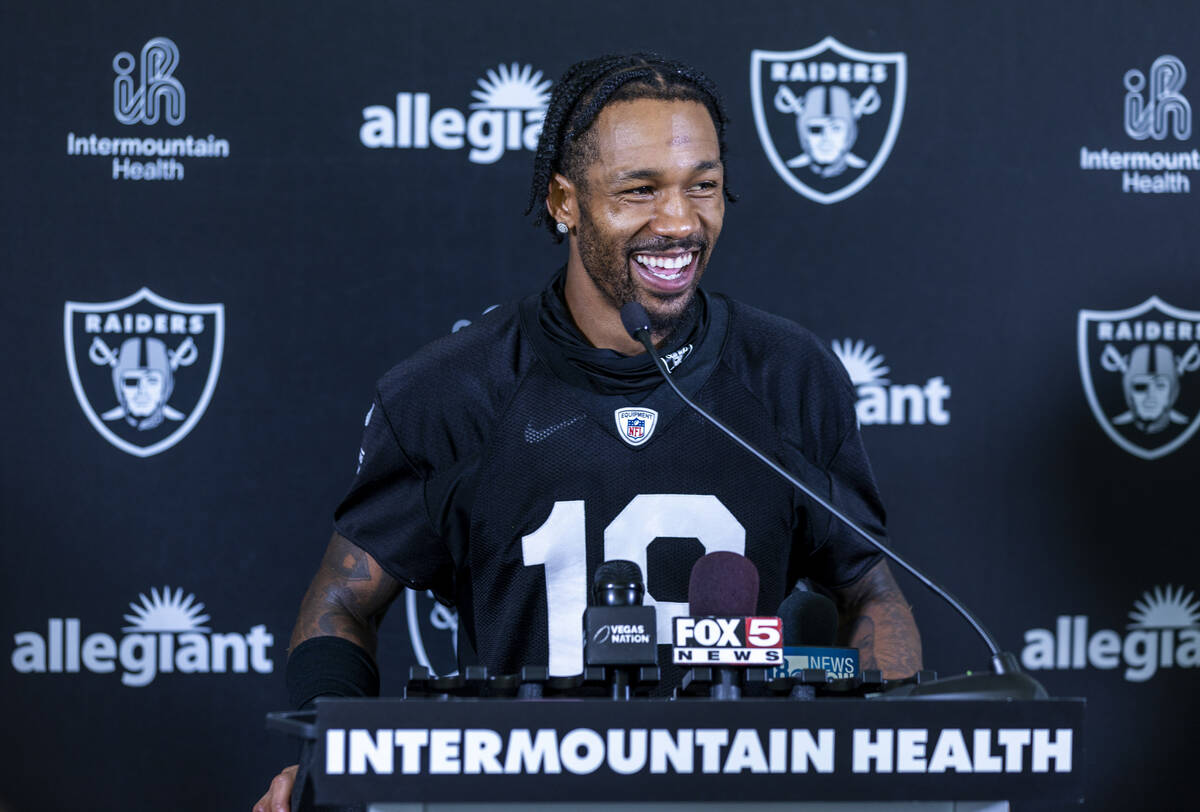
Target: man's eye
<point>639,190</point>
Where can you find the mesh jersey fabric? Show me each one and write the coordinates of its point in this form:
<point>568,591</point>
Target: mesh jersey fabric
<point>488,479</point>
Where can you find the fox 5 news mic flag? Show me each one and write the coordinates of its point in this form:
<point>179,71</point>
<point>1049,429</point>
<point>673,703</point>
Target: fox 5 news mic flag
<point>751,641</point>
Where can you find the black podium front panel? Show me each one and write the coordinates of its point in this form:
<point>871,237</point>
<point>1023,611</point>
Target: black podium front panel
<point>761,750</point>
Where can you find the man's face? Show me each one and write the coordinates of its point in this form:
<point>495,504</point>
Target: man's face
<point>1151,395</point>
<point>651,208</point>
<point>826,138</point>
<point>143,390</point>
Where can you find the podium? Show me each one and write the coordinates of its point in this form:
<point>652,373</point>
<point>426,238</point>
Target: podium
<point>409,754</point>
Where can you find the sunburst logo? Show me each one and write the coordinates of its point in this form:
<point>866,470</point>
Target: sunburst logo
<point>166,612</point>
<point>881,402</point>
<point>864,364</point>
<point>1165,609</point>
<point>512,87</point>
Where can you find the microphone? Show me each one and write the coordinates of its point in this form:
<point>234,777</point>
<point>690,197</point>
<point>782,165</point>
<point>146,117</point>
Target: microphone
<point>723,583</point>
<point>1007,680</point>
<point>619,631</point>
<point>809,618</point>
<point>618,583</point>
<point>810,623</point>
<point>722,629</point>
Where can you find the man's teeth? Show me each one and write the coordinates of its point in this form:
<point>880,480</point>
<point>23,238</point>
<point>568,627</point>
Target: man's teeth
<point>673,265</point>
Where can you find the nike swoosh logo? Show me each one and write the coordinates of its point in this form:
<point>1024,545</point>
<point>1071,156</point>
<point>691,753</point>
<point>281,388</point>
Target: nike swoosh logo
<point>533,435</point>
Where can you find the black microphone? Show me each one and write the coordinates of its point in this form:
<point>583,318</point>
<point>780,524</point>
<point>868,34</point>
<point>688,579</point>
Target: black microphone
<point>809,618</point>
<point>618,583</point>
<point>1007,680</point>
<point>810,626</point>
<point>619,632</point>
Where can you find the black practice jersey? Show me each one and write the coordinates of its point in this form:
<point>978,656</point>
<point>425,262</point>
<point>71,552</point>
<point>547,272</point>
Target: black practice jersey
<point>490,479</point>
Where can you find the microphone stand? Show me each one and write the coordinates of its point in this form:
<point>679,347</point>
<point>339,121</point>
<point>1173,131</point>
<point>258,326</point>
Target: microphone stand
<point>1005,681</point>
<point>612,590</point>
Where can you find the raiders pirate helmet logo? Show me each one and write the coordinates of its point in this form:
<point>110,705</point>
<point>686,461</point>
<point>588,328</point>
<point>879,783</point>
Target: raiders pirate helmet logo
<point>1137,367</point>
<point>827,115</point>
<point>144,367</point>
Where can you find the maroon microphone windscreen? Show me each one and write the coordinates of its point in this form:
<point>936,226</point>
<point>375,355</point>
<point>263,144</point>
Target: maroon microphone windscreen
<point>723,584</point>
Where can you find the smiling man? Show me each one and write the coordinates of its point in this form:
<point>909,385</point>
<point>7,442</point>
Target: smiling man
<point>501,465</point>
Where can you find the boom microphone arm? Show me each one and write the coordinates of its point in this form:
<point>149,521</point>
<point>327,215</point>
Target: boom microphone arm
<point>1018,685</point>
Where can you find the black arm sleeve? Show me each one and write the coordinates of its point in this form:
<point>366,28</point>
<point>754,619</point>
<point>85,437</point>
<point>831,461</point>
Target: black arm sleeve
<point>329,666</point>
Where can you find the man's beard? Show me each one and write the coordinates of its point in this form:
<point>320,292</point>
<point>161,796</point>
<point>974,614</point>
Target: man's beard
<point>608,265</point>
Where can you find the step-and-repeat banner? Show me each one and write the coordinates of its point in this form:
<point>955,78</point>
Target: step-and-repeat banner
<point>223,222</point>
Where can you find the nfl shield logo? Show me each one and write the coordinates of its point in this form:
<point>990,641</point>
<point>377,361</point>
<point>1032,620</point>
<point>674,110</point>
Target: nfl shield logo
<point>827,115</point>
<point>1137,367</point>
<point>144,367</point>
<point>636,425</point>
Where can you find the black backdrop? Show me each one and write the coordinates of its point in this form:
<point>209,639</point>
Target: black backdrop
<point>968,257</point>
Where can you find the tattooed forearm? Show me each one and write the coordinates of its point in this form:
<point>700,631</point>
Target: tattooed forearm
<point>350,564</point>
<point>347,598</point>
<point>876,619</point>
<point>862,637</point>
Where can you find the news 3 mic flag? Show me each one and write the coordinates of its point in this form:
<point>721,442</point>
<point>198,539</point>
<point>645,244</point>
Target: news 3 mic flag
<point>837,663</point>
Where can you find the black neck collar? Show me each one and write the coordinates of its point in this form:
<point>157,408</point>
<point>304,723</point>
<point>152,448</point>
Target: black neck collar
<point>605,371</point>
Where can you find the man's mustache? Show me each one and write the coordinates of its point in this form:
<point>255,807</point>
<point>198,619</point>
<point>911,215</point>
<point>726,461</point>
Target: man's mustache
<point>663,246</point>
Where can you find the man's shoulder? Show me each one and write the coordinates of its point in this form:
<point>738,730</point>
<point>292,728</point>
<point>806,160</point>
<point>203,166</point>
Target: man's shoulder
<point>802,386</point>
<point>465,376</point>
<point>762,342</point>
<point>478,348</point>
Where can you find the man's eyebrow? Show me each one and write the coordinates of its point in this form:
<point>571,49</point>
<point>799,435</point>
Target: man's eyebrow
<point>650,174</point>
<point>636,174</point>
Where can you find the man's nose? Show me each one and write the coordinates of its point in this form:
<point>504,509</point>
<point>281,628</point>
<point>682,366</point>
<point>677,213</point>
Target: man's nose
<point>675,217</point>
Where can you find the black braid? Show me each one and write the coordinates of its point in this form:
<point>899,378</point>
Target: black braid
<point>588,87</point>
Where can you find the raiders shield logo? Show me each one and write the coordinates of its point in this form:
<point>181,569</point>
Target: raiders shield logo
<point>636,425</point>
<point>433,632</point>
<point>827,115</point>
<point>1140,374</point>
<point>144,367</point>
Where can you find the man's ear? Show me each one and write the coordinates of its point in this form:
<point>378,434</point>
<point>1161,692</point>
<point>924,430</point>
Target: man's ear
<point>562,200</point>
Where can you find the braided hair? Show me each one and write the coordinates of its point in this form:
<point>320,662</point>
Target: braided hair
<point>567,144</point>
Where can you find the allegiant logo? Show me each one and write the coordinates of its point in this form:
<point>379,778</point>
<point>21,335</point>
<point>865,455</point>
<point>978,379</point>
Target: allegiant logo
<point>1165,633</point>
<point>166,634</point>
<point>511,104</point>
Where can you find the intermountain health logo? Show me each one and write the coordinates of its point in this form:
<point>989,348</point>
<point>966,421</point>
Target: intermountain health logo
<point>881,402</point>
<point>144,367</point>
<point>827,115</point>
<point>507,114</point>
<point>1155,109</point>
<point>146,92</point>
<point>1138,368</point>
<point>1164,633</point>
<point>166,634</point>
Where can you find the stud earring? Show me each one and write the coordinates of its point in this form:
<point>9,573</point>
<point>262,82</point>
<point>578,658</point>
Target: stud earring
<point>563,228</point>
